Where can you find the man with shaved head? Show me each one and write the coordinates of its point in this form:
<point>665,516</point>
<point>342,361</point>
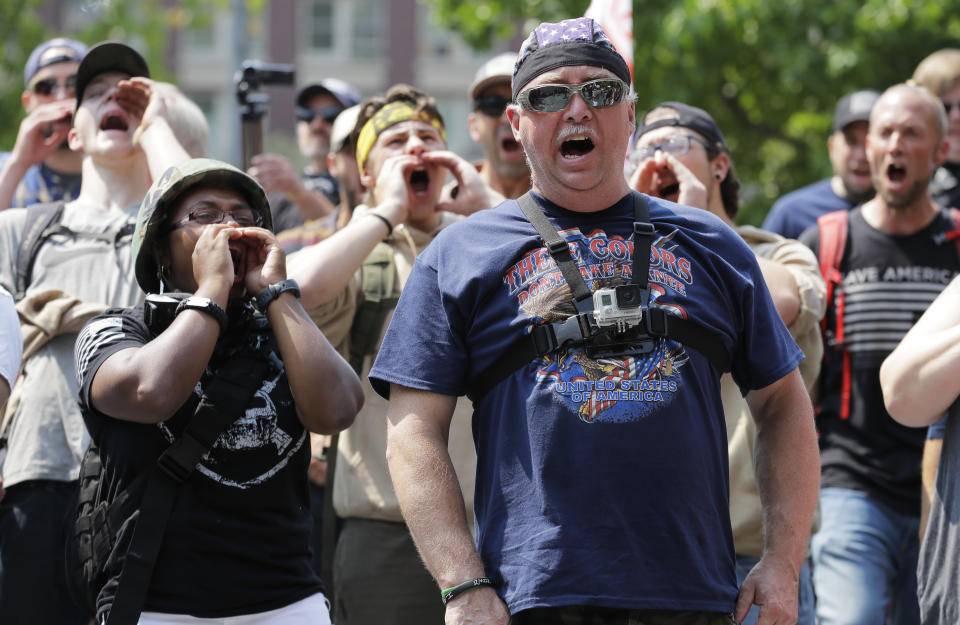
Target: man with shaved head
<point>897,255</point>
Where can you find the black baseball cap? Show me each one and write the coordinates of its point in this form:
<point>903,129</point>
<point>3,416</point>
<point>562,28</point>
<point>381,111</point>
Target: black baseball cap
<point>854,107</point>
<point>687,116</point>
<point>109,56</point>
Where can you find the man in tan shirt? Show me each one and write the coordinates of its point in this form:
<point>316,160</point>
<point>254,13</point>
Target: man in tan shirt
<point>403,161</point>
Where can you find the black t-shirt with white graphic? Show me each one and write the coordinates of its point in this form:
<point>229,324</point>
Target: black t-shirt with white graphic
<point>237,541</point>
<point>888,282</point>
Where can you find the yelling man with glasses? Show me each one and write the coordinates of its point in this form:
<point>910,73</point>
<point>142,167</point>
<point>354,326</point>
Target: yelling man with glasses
<point>683,157</point>
<point>313,194</point>
<point>602,478</point>
<point>41,167</point>
<point>503,168</point>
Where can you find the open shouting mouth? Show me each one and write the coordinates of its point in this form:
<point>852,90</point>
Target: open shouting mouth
<point>576,146</point>
<point>419,181</point>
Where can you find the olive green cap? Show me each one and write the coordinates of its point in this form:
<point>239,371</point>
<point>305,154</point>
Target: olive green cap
<point>163,196</point>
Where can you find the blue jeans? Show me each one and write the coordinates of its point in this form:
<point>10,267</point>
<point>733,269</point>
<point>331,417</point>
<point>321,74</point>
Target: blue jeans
<point>864,561</point>
<point>806,607</point>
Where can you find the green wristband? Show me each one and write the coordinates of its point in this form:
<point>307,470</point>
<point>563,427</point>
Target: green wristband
<point>450,593</point>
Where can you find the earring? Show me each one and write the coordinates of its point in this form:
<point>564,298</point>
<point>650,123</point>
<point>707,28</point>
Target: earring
<point>160,271</point>
<point>717,176</point>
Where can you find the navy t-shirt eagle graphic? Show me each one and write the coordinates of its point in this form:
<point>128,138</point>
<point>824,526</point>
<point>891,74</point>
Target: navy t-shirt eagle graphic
<point>596,388</point>
<point>600,481</point>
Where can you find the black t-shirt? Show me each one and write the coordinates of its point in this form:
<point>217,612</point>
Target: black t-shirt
<point>888,282</point>
<point>237,541</point>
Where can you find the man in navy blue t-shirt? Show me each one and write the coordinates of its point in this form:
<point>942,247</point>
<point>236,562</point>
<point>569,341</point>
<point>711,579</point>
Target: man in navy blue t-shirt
<point>850,184</point>
<point>602,486</point>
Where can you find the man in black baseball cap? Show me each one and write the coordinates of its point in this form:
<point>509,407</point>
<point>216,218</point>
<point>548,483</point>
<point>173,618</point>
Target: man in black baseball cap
<point>850,184</point>
<point>313,194</point>
<point>121,131</point>
<point>109,56</point>
<point>41,167</point>
<point>708,182</point>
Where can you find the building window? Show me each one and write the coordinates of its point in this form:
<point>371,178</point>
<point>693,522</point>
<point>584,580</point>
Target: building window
<point>367,26</point>
<point>320,24</point>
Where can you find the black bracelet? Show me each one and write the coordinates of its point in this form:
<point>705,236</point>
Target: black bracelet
<point>384,220</point>
<point>204,305</point>
<point>449,594</point>
<point>274,291</point>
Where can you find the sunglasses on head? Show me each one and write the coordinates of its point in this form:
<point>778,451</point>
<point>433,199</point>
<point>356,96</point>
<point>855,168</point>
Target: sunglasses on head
<point>327,114</point>
<point>49,85</point>
<point>491,105</point>
<point>551,98</point>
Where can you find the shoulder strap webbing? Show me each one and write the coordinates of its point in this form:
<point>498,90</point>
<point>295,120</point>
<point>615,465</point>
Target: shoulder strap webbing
<point>559,250</point>
<point>954,233</point>
<point>378,279</point>
<point>547,338</point>
<point>378,275</point>
<point>39,218</point>
<point>224,400</point>
<point>834,228</point>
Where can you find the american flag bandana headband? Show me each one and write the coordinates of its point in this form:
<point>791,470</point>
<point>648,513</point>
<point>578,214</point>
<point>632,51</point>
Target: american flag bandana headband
<point>579,41</point>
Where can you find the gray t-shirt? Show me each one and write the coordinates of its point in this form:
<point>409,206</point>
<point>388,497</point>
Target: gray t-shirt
<point>47,437</point>
<point>938,572</point>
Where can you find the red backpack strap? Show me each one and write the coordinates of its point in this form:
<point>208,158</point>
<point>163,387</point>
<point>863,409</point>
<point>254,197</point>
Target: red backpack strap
<point>833,242</point>
<point>954,235</point>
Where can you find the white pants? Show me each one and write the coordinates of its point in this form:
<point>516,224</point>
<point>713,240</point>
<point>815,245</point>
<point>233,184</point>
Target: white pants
<point>313,610</point>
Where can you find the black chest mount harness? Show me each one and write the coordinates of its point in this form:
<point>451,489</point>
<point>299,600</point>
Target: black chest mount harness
<point>609,322</point>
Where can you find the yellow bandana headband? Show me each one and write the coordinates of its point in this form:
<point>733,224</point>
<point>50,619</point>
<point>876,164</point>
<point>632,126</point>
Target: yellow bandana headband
<point>389,115</point>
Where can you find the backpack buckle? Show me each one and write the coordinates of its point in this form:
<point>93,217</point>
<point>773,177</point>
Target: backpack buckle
<point>172,462</point>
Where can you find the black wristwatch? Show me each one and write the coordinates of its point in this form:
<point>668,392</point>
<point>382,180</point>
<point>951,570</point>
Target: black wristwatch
<point>207,305</point>
<point>273,291</point>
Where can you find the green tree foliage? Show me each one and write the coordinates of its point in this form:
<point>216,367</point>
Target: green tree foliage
<point>769,72</point>
<point>145,25</point>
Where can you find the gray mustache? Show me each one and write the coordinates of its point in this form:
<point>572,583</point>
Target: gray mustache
<point>570,131</point>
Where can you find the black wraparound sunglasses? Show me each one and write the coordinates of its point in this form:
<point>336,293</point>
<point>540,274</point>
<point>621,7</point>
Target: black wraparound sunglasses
<point>327,114</point>
<point>551,98</point>
<point>491,105</point>
<point>48,85</point>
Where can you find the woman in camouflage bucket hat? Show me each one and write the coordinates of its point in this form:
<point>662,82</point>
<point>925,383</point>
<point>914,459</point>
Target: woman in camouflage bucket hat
<point>236,542</point>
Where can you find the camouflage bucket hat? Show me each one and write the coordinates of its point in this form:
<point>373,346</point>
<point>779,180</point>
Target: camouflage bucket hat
<point>163,195</point>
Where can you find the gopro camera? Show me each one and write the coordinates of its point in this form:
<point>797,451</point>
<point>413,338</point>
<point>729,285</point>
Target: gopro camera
<point>620,307</point>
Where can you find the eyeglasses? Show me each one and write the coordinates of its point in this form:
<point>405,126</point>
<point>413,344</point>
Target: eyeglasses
<point>49,85</point>
<point>551,98</point>
<point>327,114</point>
<point>675,145</point>
<point>491,105</point>
<point>206,215</point>
<point>950,105</point>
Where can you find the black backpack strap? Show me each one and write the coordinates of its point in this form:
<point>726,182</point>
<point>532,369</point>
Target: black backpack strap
<point>224,400</point>
<point>39,220</point>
